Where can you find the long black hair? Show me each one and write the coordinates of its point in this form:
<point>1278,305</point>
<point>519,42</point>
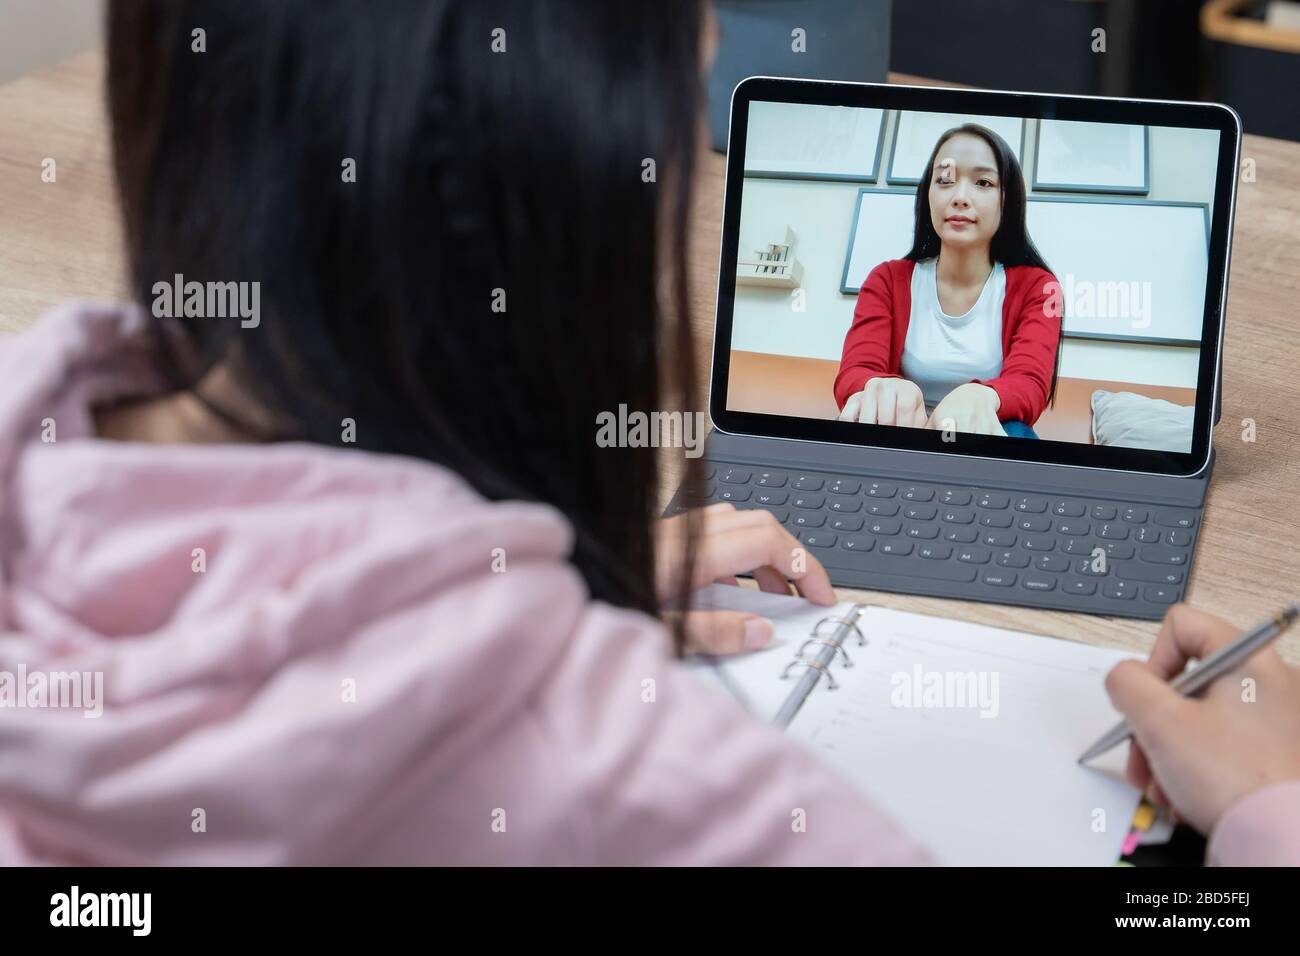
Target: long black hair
<point>1011,244</point>
<point>500,152</point>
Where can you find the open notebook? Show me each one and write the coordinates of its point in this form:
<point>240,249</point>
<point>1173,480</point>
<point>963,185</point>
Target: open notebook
<point>966,735</point>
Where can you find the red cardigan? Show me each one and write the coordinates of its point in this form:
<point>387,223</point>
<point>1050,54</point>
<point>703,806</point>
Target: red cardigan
<point>873,347</point>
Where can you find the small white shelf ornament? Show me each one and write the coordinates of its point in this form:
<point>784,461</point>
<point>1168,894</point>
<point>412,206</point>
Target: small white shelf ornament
<point>774,266</point>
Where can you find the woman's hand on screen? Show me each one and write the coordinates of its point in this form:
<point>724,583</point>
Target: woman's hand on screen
<point>970,408</point>
<point>886,401</point>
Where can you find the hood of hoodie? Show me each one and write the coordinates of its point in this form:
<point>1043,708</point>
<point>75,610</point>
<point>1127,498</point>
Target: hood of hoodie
<point>221,593</point>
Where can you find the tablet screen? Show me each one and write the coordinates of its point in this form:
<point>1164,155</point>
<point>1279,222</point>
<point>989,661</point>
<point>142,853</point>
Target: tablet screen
<point>960,281</point>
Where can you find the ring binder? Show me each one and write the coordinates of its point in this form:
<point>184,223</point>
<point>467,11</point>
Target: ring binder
<point>814,668</point>
<point>821,640</point>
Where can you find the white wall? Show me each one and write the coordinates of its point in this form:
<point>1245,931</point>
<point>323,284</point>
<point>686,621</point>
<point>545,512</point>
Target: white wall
<point>36,33</point>
<point>1182,168</point>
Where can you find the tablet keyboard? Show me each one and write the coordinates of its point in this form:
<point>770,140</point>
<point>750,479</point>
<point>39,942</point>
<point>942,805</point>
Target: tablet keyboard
<point>1094,555</point>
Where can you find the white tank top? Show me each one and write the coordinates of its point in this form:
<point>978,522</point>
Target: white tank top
<point>943,351</point>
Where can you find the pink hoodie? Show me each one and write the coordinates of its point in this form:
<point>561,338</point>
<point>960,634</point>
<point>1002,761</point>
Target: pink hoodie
<point>348,680</point>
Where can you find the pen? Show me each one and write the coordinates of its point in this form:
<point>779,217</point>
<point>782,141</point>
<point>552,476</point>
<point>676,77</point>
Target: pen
<point>1192,682</point>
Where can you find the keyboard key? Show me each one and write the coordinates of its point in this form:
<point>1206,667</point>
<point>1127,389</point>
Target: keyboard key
<point>771,479</point>
<point>885,509</point>
<point>733,494</point>
<point>770,497</point>
<point>999,519</point>
<point>1147,535</point>
<point>1051,562</point>
<point>1161,595</point>
<point>993,501</point>
<point>901,569</point>
<point>1161,555</point>
<point>1039,582</point>
<point>808,483</point>
<point>845,505</point>
<point>1147,573</point>
<point>811,502</point>
<point>1079,546</point>
<point>844,486</point>
<point>1120,590</point>
<point>846,523</point>
<point>817,539</point>
<point>999,539</point>
<point>1179,539</point>
<point>1034,524</point>
<point>1175,519</point>
<point>884,526</point>
<point>735,476</point>
<point>900,547</point>
<point>961,535</point>
<point>917,493</point>
<point>1079,586</point>
<point>1092,567</point>
<point>919,512</point>
<point>859,543</point>
<point>953,496</point>
<point>1032,505</point>
<point>710,471</point>
<point>925,531</point>
<point>1116,531</point>
<point>1103,513</point>
<point>973,555</point>
<point>1013,559</point>
<point>1074,527</point>
<point>1119,550</point>
<point>999,579</point>
<point>935,552</point>
<point>957,515</point>
<point>1039,542</point>
<point>1134,515</point>
<point>880,489</point>
<point>808,519</point>
<point>1069,509</point>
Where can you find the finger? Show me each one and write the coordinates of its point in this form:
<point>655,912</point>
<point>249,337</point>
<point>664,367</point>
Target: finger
<point>729,579</point>
<point>1187,634</point>
<point>887,406</point>
<point>1154,710</point>
<point>867,413</point>
<point>849,413</point>
<point>745,549</point>
<point>771,580</point>
<point>726,632</point>
<point>1137,770</point>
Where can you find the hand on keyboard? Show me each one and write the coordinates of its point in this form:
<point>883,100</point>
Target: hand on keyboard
<point>735,542</point>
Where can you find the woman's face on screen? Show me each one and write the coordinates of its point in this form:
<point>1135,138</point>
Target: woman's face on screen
<point>965,192</point>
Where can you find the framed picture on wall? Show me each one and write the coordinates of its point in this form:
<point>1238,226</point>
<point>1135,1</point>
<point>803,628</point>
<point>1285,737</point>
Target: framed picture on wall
<point>792,141</point>
<point>916,133</point>
<point>1092,158</point>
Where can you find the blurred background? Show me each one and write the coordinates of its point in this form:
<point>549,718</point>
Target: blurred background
<point>1242,52</point>
<point>1245,53</point>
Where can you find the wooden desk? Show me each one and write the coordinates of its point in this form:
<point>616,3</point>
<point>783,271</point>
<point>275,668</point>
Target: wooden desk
<point>61,240</point>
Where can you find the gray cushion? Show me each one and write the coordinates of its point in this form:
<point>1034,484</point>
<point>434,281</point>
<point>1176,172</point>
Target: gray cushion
<point>1130,420</point>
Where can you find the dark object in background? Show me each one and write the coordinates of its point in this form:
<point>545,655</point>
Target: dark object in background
<point>1151,46</point>
<point>1254,67</point>
<point>844,40</point>
<point>1185,848</point>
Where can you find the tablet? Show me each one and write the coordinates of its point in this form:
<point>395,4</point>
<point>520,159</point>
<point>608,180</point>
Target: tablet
<point>1030,277</point>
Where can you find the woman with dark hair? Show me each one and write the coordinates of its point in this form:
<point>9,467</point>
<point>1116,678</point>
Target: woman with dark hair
<point>358,581</point>
<point>962,333</point>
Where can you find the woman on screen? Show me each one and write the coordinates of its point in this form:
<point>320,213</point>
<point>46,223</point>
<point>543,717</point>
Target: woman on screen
<point>963,333</point>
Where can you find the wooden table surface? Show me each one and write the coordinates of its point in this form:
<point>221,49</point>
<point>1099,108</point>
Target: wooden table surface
<point>61,240</point>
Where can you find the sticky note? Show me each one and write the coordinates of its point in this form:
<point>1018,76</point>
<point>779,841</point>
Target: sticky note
<point>1145,816</point>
